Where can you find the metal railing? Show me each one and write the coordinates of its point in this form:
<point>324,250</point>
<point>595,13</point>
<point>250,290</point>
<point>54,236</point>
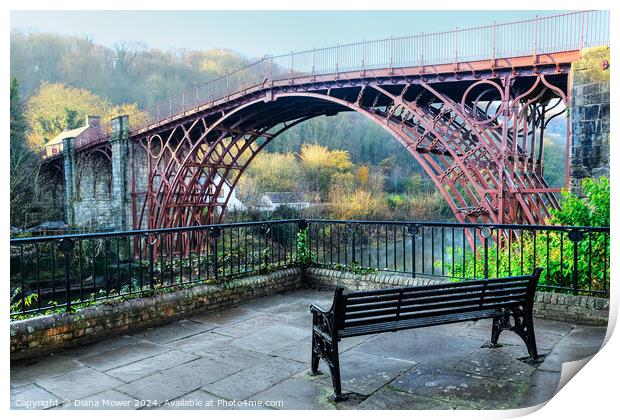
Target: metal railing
<point>570,31</point>
<point>71,271</point>
<point>75,270</point>
<point>468,251</point>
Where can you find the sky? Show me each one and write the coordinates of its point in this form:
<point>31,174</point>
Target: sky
<point>253,33</point>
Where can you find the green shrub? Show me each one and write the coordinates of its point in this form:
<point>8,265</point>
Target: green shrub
<point>552,250</point>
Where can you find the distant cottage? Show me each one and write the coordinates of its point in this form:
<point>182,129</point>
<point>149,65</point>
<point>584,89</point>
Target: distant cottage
<point>271,201</point>
<point>234,204</point>
<point>91,131</point>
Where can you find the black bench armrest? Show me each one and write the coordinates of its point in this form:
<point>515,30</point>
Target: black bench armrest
<point>314,308</point>
<point>321,319</point>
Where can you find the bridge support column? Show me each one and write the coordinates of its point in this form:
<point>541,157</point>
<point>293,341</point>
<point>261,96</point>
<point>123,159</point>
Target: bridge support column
<point>589,117</point>
<point>70,166</point>
<point>119,141</point>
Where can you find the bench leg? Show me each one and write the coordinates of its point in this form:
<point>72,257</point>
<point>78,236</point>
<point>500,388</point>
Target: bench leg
<point>524,327</point>
<point>327,349</point>
<point>500,323</point>
<point>334,368</point>
<point>316,356</point>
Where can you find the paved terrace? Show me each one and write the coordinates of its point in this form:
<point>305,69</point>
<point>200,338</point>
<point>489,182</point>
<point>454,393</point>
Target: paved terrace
<point>260,351</point>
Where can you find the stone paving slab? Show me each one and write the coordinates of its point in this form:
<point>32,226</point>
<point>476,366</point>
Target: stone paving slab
<point>265,304</point>
<point>173,332</point>
<point>107,400</point>
<point>101,346</point>
<point>225,317</point>
<point>462,390</point>
<point>299,393</point>
<point>254,379</point>
<point>226,353</point>
<point>121,356</point>
<point>365,373</point>
<point>259,352</point>
<point>150,365</point>
<point>494,363</point>
<point>542,386</point>
<point>202,400</point>
<point>32,397</point>
<point>197,344</point>
<point>80,383</point>
<point>419,345</point>
<point>272,338</point>
<point>172,383</point>
<point>247,326</point>
<point>391,399</point>
<point>27,372</point>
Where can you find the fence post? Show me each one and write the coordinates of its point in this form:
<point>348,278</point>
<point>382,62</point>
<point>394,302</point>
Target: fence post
<point>352,229</point>
<point>66,246</point>
<point>575,236</point>
<point>535,47</point>
<point>362,57</point>
<point>412,230</point>
<point>494,43</point>
<point>214,234</point>
<point>151,260</point>
<point>486,233</point>
<point>337,58</point>
<point>582,31</point>
<point>423,42</point>
<point>456,49</point>
<point>391,53</point>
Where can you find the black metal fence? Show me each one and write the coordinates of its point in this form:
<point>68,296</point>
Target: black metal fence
<point>70,271</point>
<point>75,270</point>
<point>468,251</point>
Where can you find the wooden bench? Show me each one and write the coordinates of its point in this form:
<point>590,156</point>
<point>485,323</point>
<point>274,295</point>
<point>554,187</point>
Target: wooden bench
<point>376,311</point>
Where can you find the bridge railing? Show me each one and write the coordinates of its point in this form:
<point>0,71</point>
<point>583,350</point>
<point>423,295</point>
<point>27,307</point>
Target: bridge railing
<point>74,270</point>
<point>570,31</point>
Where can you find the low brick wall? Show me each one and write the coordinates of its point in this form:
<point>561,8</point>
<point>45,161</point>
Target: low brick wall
<point>557,306</point>
<point>49,333</point>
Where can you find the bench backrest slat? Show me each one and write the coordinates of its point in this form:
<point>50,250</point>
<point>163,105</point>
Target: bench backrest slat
<point>479,300</point>
<point>430,287</point>
<point>388,301</point>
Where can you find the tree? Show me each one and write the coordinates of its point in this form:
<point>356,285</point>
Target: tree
<point>321,164</point>
<point>270,172</point>
<point>71,120</point>
<point>57,107</point>
<point>554,164</point>
<point>23,163</point>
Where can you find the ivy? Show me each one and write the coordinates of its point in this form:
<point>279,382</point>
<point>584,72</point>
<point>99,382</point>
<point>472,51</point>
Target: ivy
<point>303,256</point>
